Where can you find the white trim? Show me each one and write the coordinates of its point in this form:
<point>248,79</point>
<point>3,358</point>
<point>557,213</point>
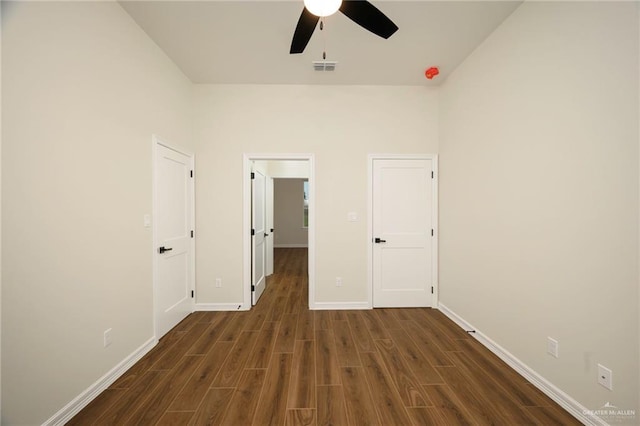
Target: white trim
<point>246,219</point>
<point>338,306</point>
<point>290,245</point>
<point>221,307</point>
<point>82,400</point>
<point>434,217</point>
<point>572,406</point>
<point>155,142</point>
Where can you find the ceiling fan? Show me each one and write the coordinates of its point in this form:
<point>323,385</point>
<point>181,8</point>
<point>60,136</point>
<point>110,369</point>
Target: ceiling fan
<point>361,12</point>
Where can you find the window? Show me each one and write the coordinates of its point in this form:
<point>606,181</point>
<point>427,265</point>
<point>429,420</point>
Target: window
<point>305,195</point>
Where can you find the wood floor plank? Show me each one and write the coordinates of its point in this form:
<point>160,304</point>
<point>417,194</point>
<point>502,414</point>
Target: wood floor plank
<point>322,320</point>
<point>196,387</point>
<point>305,327</point>
<point>415,359</point>
<point>203,345</point>
<point>150,411</point>
<point>211,335</point>
<point>481,410</point>
<point>235,326</point>
<point>276,312</point>
<point>427,345</point>
<point>302,389</point>
<point>178,350</point>
<point>327,368</point>
<point>451,410</point>
<point>256,319</point>
<point>136,371</point>
<point>273,401</point>
<point>360,407</point>
<point>387,318</point>
<point>331,410</point>
<point>175,418</point>
<point>213,407</point>
<point>263,348</point>
<point>374,325</point>
<point>348,368</point>
<point>230,371</point>
<point>424,416</point>
<point>291,307</point>
<point>301,417</point>
<point>408,386</point>
<point>495,393</point>
<point>552,416</point>
<point>360,333</point>
<point>242,407</point>
<point>439,335</point>
<point>123,407</point>
<point>97,407</point>
<point>346,349</point>
<point>402,314</point>
<point>387,401</point>
<point>502,374</point>
<point>286,333</point>
<point>453,330</point>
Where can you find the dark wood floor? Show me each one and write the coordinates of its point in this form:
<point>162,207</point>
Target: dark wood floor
<point>281,363</point>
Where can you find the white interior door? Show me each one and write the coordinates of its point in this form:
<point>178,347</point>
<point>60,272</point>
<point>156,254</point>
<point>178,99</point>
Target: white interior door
<point>402,231</point>
<point>270,230</point>
<point>258,227</point>
<point>174,250</point>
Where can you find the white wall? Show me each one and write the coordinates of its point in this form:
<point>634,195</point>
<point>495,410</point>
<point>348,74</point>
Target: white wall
<point>288,213</point>
<point>84,89</point>
<point>340,125</point>
<point>539,193</point>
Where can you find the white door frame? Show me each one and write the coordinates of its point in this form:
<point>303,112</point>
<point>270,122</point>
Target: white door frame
<point>246,220</point>
<point>155,143</point>
<point>434,213</point>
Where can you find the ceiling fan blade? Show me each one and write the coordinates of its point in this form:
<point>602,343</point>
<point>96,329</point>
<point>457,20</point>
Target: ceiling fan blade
<point>301,36</point>
<point>369,17</point>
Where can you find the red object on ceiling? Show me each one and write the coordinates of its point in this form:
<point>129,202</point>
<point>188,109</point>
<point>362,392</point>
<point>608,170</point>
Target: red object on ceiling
<point>431,72</point>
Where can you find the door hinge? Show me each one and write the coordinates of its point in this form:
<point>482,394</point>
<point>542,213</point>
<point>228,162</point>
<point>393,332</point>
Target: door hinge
<point>192,293</point>
<point>432,232</point>
<point>253,288</point>
<point>253,232</point>
<point>431,174</point>
<point>191,173</point>
<point>191,234</point>
<point>253,175</point>
<point>431,289</point>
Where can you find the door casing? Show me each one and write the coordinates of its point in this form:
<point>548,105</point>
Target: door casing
<point>434,207</point>
<point>246,221</point>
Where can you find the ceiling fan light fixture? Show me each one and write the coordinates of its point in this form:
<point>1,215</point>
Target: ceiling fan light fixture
<point>322,8</point>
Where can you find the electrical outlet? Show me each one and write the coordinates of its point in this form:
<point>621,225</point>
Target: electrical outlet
<point>552,347</point>
<point>218,282</point>
<point>338,281</point>
<point>605,377</point>
<point>107,337</point>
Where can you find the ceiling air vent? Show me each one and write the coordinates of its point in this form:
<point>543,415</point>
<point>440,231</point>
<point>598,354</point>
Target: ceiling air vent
<point>324,65</point>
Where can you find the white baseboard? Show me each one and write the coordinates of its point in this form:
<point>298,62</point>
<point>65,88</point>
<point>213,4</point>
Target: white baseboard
<point>337,306</point>
<point>291,246</point>
<point>221,307</point>
<point>82,400</point>
<point>576,409</point>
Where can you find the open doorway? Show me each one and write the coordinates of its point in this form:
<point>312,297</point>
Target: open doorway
<point>288,170</point>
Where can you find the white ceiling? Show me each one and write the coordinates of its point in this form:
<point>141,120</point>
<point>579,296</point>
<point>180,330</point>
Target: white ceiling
<point>247,42</point>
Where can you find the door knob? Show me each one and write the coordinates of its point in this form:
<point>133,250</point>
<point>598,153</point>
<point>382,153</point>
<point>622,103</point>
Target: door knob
<point>378,240</point>
<point>163,249</point>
